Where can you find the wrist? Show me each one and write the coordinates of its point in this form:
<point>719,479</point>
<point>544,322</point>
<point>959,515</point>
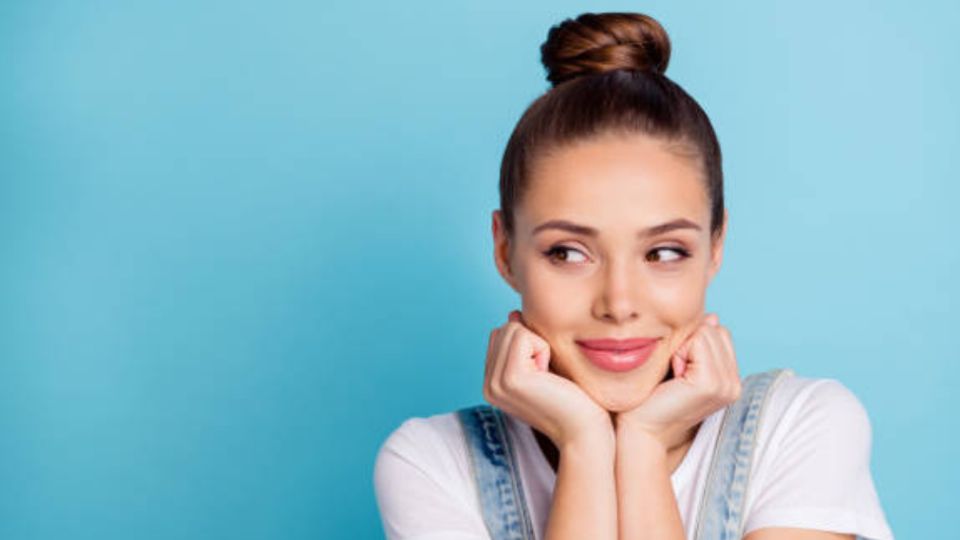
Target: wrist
<point>639,441</point>
<point>669,437</point>
<point>599,441</point>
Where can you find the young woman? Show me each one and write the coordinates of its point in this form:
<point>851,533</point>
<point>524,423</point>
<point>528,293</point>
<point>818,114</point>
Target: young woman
<point>619,408</point>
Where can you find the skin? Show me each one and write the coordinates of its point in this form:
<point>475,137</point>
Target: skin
<point>614,284</point>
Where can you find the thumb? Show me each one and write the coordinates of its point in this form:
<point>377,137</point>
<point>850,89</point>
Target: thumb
<point>680,358</point>
<point>541,352</point>
<point>535,347</point>
<point>679,365</point>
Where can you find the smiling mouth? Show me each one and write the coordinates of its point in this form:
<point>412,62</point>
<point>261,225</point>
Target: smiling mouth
<point>620,345</point>
<point>618,360</point>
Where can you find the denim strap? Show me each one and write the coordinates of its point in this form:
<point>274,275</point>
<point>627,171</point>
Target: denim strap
<point>721,510</point>
<point>495,469</point>
<point>720,517</point>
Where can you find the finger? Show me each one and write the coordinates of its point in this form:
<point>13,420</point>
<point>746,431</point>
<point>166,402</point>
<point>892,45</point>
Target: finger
<point>727,378</point>
<point>717,363</point>
<point>493,355</point>
<point>694,353</point>
<point>491,343</point>
<point>725,359</point>
<point>679,364</point>
<point>500,355</point>
<point>526,351</point>
<point>702,362</point>
<point>681,355</point>
<point>727,341</point>
<point>510,366</point>
<point>514,316</point>
<point>541,352</point>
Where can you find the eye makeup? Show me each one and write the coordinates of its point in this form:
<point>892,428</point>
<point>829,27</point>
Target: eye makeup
<point>560,254</point>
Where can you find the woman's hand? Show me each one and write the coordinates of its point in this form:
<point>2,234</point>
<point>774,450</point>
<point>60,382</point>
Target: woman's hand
<point>517,379</point>
<point>706,378</point>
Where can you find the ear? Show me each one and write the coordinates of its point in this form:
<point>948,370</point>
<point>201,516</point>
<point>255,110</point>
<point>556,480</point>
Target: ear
<point>501,250</point>
<point>716,250</point>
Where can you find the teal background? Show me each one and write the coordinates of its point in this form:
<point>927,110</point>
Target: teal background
<point>241,241</point>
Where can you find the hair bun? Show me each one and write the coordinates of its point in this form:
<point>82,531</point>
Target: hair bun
<point>599,42</point>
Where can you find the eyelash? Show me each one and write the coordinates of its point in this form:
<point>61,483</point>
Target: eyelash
<point>552,252</point>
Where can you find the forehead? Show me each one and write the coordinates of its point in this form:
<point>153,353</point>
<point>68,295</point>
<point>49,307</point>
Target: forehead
<point>616,180</point>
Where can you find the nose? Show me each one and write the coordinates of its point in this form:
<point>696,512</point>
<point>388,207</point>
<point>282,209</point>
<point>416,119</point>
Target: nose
<point>617,300</point>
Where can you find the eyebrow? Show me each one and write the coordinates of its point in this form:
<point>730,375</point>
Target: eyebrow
<point>569,226</point>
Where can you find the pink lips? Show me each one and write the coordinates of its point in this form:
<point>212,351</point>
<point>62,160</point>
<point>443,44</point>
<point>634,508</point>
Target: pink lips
<point>617,355</point>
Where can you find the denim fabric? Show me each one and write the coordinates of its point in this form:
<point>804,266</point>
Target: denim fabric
<point>721,509</point>
<point>721,512</point>
<point>498,477</point>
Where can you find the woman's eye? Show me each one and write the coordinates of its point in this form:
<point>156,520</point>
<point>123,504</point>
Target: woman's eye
<point>562,254</point>
<point>679,254</point>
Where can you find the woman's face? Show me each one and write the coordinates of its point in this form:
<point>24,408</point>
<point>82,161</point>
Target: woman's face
<point>588,263</point>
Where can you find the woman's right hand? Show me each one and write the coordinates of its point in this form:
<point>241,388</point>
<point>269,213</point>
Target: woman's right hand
<point>517,379</point>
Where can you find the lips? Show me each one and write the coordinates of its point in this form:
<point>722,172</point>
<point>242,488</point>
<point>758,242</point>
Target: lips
<point>616,344</point>
<point>617,355</point>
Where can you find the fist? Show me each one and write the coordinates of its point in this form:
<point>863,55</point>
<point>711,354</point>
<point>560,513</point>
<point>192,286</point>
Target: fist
<point>706,378</point>
<point>518,380</point>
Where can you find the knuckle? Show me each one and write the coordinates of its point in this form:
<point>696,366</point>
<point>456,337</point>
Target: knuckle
<point>491,343</point>
<point>510,383</point>
<point>493,390</point>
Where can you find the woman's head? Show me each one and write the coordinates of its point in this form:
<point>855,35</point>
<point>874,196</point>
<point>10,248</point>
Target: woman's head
<point>612,220</point>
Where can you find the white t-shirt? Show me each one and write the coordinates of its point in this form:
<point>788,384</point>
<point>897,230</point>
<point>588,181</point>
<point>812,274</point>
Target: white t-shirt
<point>811,470</point>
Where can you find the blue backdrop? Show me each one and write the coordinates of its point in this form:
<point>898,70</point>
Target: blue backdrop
<point>241,241</point>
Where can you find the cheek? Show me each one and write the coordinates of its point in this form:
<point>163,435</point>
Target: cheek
<point>553,302</point>
<point>679,305</point>
<point>678,302</point>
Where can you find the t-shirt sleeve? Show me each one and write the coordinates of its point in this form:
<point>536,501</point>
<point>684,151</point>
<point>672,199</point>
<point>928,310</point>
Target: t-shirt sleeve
<point>817,471</point>
<point>420,492</point>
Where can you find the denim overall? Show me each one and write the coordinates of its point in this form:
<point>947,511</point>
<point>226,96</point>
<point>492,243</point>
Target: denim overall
<point>720,517</point>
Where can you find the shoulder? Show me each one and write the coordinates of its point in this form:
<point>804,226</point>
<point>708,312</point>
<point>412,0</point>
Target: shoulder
<point>423,483</point>
<point>795,388</point>
<point>801,405</point>
<point>433,444</point>
<point>413,432</point>
<point>812,463</point>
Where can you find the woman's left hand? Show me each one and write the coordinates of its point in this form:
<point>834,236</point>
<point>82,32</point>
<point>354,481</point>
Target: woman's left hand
<point>706,378</point>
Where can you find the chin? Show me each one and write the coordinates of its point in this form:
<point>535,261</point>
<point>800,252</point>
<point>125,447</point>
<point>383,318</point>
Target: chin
<point>617,402</point>
<point>615,393</point>
<point>623,392</point>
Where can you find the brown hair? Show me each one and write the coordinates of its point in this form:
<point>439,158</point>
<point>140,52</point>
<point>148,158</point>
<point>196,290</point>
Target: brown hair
<point>607,71</point>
